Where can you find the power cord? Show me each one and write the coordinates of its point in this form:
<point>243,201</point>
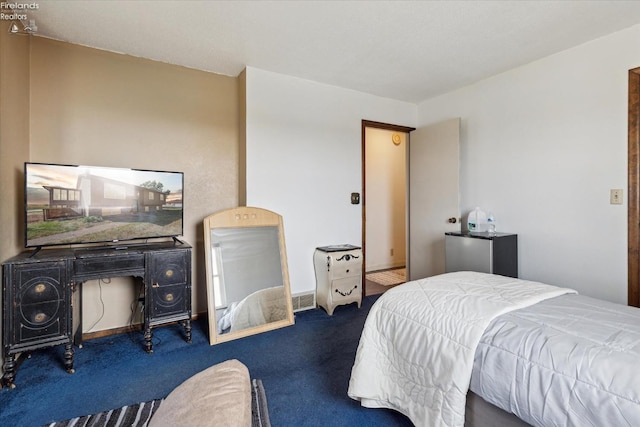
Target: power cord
<point>100,281</point>
<point>137,302</point>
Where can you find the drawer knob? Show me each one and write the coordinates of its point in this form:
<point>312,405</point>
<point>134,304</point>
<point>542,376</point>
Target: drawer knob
<point>40,317</point>
<point>40,288</point>
<point>168,297</point>
<point>347,257</point>
<point>169,273</point>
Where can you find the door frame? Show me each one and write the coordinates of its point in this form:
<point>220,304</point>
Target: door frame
<point>363,200</point>
<point>633,176</point>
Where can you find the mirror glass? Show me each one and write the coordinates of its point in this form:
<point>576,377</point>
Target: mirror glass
<point>247,278</point>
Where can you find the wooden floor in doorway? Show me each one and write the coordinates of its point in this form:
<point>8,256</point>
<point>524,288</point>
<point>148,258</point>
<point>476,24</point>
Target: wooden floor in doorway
<point>375,288</point>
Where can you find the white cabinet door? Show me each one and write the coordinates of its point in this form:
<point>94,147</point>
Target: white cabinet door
<point>433,175</point>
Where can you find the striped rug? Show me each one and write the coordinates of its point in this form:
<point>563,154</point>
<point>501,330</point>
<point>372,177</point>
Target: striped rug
<point>138,415</point>
<point>259,409</point>
<point>388,277</point>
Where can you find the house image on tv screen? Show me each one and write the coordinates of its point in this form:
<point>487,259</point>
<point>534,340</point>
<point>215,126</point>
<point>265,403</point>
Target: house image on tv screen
<point>68,204</point>
<point>99,196</point>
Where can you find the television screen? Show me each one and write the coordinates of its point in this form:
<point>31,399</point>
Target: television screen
<point>70,204</point>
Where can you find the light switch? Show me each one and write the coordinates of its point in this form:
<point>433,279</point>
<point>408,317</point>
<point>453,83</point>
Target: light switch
<point>616,196</point>
<point>355,198</point>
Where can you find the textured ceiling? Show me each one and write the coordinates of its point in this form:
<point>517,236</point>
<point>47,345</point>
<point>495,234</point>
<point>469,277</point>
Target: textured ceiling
<point>402,50</point>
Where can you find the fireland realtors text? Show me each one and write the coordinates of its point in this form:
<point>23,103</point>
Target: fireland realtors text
<point>14,10</point>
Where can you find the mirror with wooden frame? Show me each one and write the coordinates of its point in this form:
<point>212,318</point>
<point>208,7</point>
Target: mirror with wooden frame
<point>248,288</point>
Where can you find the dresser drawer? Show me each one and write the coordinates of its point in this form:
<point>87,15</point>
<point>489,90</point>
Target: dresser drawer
<point>345,289</point>
<point>108,266</point>
<point>172,273</point>
<point>169,268</point>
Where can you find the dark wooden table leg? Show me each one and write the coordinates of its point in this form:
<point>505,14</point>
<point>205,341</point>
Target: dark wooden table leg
<point>68,357</point>
<point>148,338</point>
<point>9,368</point>
<point>187,329</point>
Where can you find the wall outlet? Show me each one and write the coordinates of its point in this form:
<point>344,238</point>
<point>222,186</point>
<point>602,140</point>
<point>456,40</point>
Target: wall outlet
<point>615,197</point>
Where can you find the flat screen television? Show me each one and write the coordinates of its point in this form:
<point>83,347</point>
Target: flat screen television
<point>74,204</point>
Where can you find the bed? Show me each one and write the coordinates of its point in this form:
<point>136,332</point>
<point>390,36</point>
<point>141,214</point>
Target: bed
<point>436,349</point>
<point>260,307</point>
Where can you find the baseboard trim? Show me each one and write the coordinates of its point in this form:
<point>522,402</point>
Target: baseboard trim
<point>87,336</point>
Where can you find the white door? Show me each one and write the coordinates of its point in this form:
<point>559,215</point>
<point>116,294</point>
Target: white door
<point>433,186</point>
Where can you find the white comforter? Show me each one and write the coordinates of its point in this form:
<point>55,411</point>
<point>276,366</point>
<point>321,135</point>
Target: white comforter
<point>417,347</point>
<point>567,361</point>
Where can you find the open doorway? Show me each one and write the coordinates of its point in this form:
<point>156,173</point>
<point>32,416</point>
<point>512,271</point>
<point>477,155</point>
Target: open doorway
<point>384,207</point>
<point>432,194</point>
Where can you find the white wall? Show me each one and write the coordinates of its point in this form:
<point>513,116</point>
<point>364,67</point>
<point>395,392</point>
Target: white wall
<point>304,159</point>
<point>541,146</point>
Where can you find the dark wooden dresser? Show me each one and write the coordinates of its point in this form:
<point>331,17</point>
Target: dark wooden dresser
<point>42,294</point>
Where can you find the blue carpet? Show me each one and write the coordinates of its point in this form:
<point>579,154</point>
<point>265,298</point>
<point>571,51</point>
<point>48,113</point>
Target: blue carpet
<point>304,368</point>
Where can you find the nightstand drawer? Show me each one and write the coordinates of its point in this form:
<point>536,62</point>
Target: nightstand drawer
<point>341,264</point>
<point>347,269</point>
<point>346,289</point>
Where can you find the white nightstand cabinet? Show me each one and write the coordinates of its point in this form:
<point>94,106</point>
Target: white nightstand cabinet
<point>338,276</point>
